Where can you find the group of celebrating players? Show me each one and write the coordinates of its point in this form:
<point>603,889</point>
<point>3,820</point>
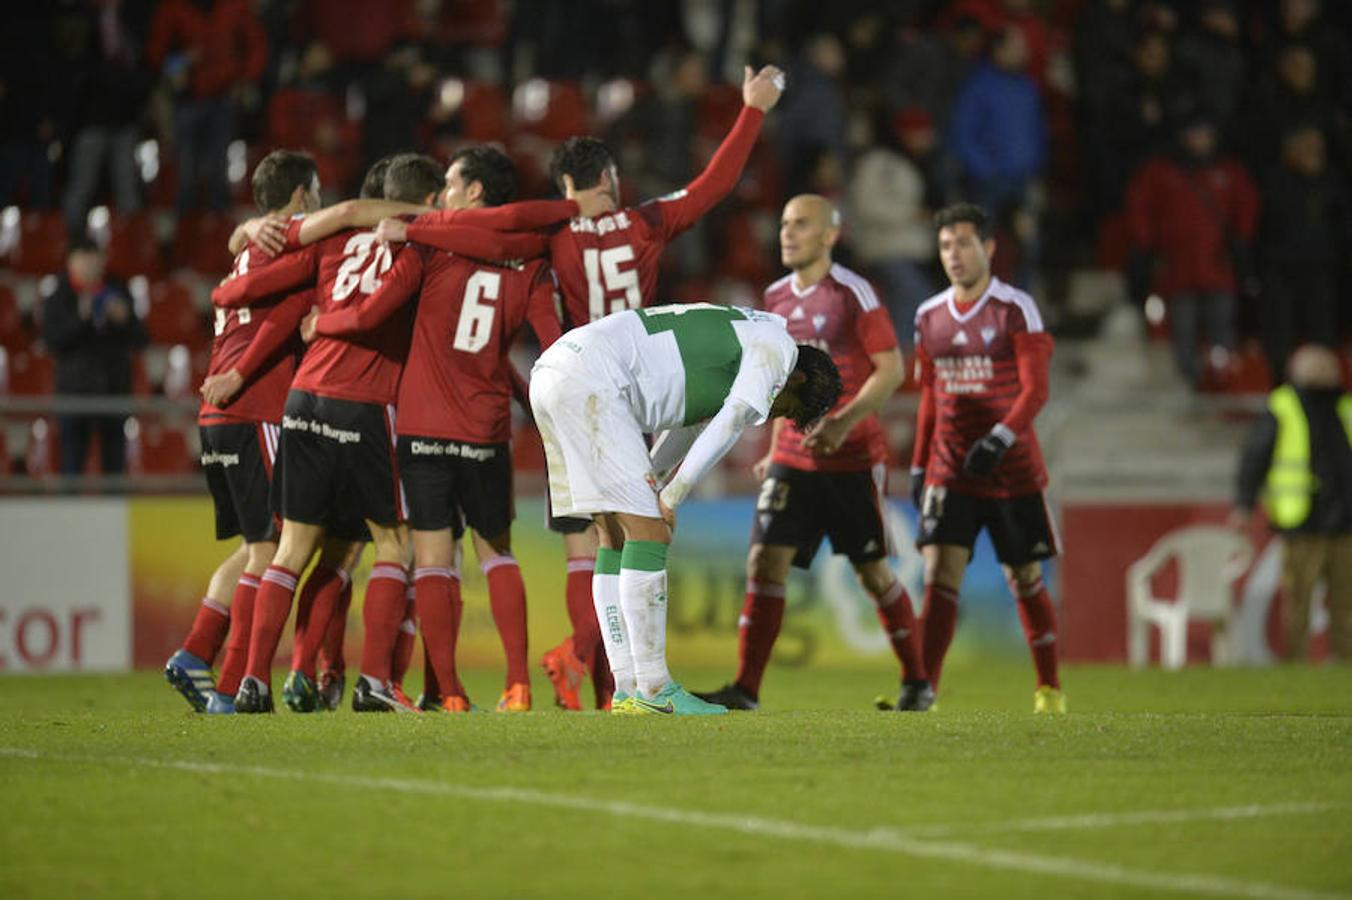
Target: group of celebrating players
<point>359,391</point>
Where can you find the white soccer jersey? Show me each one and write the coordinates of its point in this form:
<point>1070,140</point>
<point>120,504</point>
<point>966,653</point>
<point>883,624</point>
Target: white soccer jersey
<point>682,363</point>
<point>600,387</point>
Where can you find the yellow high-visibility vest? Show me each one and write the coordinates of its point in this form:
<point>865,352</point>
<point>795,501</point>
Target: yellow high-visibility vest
<point>1291,483</point>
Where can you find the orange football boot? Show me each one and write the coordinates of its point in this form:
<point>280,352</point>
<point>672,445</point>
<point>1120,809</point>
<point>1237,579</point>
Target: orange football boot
<point>566,672</point>
<point>515,699</point>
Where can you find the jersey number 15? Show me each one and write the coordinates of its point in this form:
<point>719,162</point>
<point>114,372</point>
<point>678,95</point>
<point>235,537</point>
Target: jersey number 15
<point>605,277</point>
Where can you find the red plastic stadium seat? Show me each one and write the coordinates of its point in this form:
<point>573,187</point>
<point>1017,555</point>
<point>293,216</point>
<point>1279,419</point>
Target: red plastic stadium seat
<point>12,331</point>
<point>202,243</point>
<point>553,110</point>
<point>484,112</point>
<point>172,318</point>
<point>719,107</point>
<point>30,373</point>
<point>41,247</point>
<point>163,450</point>
<point>133,248</point>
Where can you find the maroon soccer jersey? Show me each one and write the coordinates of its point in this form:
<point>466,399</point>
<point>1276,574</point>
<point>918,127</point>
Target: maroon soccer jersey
<point>264,392</point>
<point>468,313</point>
<point>841,315</point>
<point>366,369</point>
<point>610,263</point>
<point>970,365</point>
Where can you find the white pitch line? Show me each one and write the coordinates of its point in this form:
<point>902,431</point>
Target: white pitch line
<point>876,839</point>
<point>1115,820</point>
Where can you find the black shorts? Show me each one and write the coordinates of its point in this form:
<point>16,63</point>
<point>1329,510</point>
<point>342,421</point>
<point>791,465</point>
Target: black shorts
<point>238,460</point>
<point>336,467</point>
<point>797,508</point>
<point>1021,528</point>
<point>455,485</point>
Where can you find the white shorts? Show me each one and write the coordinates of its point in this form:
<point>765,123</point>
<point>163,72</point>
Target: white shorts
<point>594,447</point>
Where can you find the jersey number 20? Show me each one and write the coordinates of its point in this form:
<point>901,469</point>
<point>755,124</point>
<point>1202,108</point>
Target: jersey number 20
<point>605,277</point>
<point>361,269</point>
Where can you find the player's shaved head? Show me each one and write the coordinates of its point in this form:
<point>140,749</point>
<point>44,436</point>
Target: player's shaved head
<point>1315,366</point>
<point>808,229</point>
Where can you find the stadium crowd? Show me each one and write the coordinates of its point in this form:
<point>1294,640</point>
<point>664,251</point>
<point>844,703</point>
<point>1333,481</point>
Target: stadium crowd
<point>1202,149</point>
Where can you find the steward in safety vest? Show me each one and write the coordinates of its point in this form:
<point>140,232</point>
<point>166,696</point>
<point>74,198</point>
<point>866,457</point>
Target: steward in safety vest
<point>1297,458</point>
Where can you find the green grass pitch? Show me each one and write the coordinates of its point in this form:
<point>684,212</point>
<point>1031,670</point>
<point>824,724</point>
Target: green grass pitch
<point>1198,783</point>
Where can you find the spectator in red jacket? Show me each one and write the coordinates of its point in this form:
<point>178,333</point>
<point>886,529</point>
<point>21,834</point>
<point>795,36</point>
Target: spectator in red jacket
<point>1192,216</point>
<point>210,52</point>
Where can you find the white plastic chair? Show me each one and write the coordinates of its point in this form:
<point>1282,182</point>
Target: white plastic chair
<point>1210,560</point>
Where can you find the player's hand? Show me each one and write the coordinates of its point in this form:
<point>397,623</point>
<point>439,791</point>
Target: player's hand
<point>986,453</point>
<point>392,231</point>
<point>268,232</point>
<point>307,325</point>
<point>762,89</point>
<point>825,437</point>
<point>218,389</point>
<point>761,468</point>
<point>917,486</point>
<point>594,201</point>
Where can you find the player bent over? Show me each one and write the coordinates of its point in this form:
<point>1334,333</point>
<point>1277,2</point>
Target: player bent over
<point>708,372</point>
<point>829,481</point>
<point>983,357</point>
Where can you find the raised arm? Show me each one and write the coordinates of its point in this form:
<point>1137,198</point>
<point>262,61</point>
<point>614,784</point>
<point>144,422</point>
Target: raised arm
<point>397,287</point>
<point>761,92</point>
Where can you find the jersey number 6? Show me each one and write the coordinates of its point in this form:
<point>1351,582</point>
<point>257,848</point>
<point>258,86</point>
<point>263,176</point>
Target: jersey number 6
<point>476,319</point>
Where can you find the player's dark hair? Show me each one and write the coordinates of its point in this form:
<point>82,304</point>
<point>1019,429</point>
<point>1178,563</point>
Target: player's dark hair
<point>581,158</point>
<point>491,168</point>
<point>964,212</point>
<point>373,185</point>
<point>411,177</point>
<point>82,244</point>
<point>278,175</point>
<point>820,391</point>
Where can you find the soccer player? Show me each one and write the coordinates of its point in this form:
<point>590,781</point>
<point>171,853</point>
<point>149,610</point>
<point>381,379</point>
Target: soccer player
<point>983,357</point>
<point>239,443</point>
<point>830,481</point>
<point>328,588</point>
<point>708,372</point>
<point>609,263</point>
<point>337,457</point>
<point>453,418</point>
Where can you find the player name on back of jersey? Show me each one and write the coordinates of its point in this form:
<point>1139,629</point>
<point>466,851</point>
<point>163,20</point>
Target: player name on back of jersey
<point>618,221</point>
<point>964,374</point>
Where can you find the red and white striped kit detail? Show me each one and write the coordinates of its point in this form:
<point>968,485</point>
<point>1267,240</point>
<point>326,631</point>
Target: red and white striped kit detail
<point>389,570</point>
<point>280,576</point>
<point>494,562</point>
<point>435,572</point>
